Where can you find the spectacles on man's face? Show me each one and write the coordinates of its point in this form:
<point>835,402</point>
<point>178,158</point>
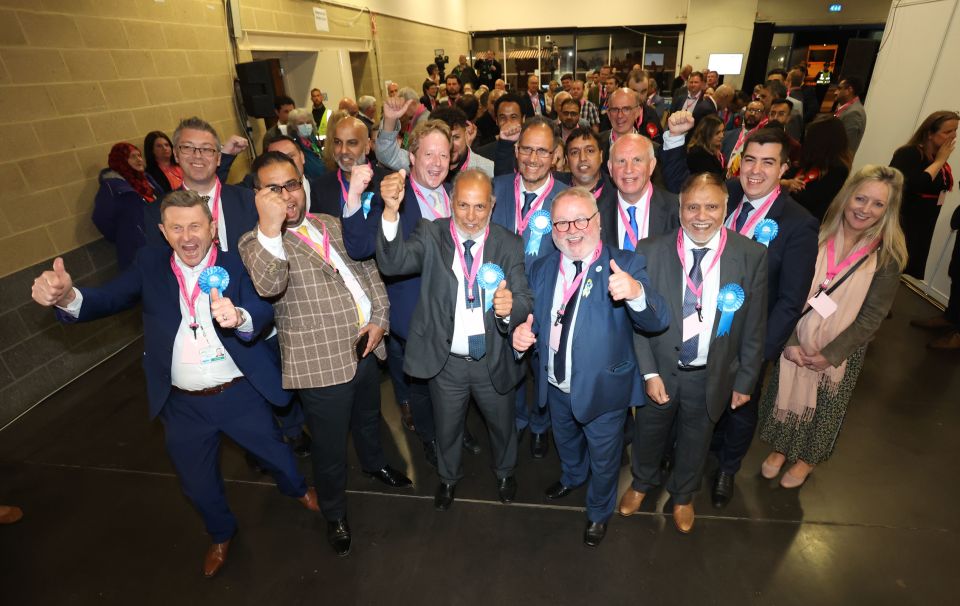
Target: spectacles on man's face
<point>190,150</point>
<point>621,110</point>
<point>291,186</point>
<point>526,150</point>
<point>579,223</point>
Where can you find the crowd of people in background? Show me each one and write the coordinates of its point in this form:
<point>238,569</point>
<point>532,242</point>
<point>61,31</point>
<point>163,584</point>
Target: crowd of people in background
<point>662,269</point>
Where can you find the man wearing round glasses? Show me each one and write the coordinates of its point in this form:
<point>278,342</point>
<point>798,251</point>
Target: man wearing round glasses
<point>624,111</point>
<point>588,300</point>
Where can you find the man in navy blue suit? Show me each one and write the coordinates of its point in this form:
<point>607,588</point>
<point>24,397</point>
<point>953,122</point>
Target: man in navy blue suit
<point>588,299</point>
<point>208,369</point>
<point>520,198</point>
<point>757,208</point>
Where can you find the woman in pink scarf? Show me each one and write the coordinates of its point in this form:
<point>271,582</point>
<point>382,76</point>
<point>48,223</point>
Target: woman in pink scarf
<point>862,254</point>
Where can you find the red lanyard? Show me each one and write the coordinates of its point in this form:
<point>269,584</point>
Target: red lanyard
<point>323,249</point>
<point>642,227</point>
<point>469,273</point>
<point>698,290</point>
<point>191,299</point>
<point>446,201</point>
<point>834,268</point>
<point>521,221</point>
<point>569,290</point>
<point>758,213</point>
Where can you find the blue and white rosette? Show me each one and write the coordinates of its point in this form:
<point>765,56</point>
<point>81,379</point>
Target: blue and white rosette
<point>729,301</point>
<point>489,277</point>
<point>213,277</point>
<point>765,231</point>
<point>539,225</point>
<point>365,200</point>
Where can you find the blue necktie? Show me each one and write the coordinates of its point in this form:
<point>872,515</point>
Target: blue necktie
<point>560,358</point>
<point>528,198</point>
<point>476,343</point>
<point>688,349</point>
<point>745,209</point>
<point>627,243</point>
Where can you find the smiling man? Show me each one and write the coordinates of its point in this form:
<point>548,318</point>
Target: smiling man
<point>351,145</point>
<point>332,313</point>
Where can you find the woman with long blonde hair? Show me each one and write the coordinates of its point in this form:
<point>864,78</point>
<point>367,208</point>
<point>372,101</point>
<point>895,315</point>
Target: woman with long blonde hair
<point>862,255</point>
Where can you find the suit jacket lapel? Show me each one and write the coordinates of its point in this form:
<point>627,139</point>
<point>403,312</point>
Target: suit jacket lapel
<point>669,264</point>
<point>305,250</point>
<point>592,289</point>
<point>731,270</point>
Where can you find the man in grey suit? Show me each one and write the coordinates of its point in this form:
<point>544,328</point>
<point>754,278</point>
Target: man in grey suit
<point>715,283</point>
<point>473,293</point>
<point>850,110</point>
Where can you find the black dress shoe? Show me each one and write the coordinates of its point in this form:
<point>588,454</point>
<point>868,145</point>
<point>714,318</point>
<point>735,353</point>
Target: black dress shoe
<point>558,490</point>
<point>430,453</point>
<point>539,442</point>
<point>470,443</point>
<point>594,533</point>
<point>390,476</point>
<point>338,535</point>
<point>444,497</point>
<point>507,489</point>
<point>301,445</point>
<point>722,490</point>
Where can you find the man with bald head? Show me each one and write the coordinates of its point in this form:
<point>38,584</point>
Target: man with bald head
<point>591,377</point>
<point>354,175</point>
<point>349,105</point>
<point>532,101</point>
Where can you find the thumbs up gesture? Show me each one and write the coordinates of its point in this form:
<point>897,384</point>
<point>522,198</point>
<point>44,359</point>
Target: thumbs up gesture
<point>622,285</point>
<point>54,287</point>
<point>523,337</point>
<point>502,300</point>
<point>392,190</point>
<point>223,311</point>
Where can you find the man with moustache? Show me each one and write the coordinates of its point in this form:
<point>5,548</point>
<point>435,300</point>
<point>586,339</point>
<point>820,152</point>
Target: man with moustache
<point>568,115</point>
<point>473,293</point>
<point>208,368</point>
<point>589,299</point>
<point>754,118</point>
<point>332,312</point>
<point>715,283</point>
<point>524,202</point>
<point>197,148</point>
<point>758,209</point>
<point>351,144</point>
<point>582,153</point>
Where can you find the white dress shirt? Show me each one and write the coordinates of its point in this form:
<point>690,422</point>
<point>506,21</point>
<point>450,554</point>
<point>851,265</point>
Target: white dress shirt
<point>643,226</point>
<point>753,213</point>
<point>711,290</point>
<point>221,220</point>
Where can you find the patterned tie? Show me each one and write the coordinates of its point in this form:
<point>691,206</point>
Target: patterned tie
<point>318,247</point>
<point>528,198</point>
<point>688,349</point>
<point>438,203</point>
<point>560,358</point>
<point>627,243</point>
<point>745,209</point>
<point>476,343</point>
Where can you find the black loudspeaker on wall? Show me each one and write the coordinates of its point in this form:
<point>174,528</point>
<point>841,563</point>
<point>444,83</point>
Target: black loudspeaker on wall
<point>859,59</point>
<point>256,88</point>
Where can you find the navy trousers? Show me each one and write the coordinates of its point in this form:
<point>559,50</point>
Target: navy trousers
<point>534,417</point>
<point>734,432</point>
<point>414,392</point>
<point>192,428</point>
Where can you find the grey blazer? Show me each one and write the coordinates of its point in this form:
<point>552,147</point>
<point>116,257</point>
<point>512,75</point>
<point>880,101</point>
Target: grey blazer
<point>429,251</point>
<point>734,359</point>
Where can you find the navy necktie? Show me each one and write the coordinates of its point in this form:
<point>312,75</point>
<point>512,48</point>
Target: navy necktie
<point>627,243</point>
<point>745,209</point>
<point>528,198</point>
<point>476,343</point>
<point>560,358</point>
<point>689,348</point>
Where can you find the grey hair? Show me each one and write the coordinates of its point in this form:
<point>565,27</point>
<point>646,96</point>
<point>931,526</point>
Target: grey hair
<point>366,102</point>
<point>630,137</point>
<point>582,193</point>
<point>408,93</point>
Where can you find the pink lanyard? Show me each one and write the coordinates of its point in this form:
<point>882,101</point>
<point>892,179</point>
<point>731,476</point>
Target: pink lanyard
<point>758,213</point>
<point>343,188</point>
<point>833,268</point>
<point>520,221</point>
<point>634,237</point>
<point>744,133</point>
<point>723,161</point>
<point>446,201</point>
<point>471,273</point>
<point>596,194</point>
<point>698,290</point>
<point>191,299</point>
<point>569,290</point>
<point>323,250</point>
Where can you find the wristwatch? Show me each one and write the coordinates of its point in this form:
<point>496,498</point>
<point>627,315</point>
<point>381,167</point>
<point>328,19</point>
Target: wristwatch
<point>243,316</point>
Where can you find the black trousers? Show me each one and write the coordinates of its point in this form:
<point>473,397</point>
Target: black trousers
<point>333,412</point>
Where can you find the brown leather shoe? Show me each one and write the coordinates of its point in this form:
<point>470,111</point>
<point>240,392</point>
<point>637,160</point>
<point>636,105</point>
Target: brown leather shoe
<point>406,417</point>
<point>10,514</point>
<point>683,517</point>
<point>309,500</point>
<point>630,502</point>
<point>215,558</point>
<point>948,342</point>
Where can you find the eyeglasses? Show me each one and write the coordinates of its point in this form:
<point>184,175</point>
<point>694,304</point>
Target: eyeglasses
<point>206,152</point>
<point>291,186</point>
<point>580,223</point>
<point>621,110</point>
<point>525,150</point>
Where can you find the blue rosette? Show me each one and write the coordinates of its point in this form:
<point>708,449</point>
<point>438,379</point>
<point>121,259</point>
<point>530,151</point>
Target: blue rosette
<point>539,225</point>
<point>765,231</point>
<point>365,200</point>
<point>489,277</point>
<point>729,300</point>
<point>213,277</point>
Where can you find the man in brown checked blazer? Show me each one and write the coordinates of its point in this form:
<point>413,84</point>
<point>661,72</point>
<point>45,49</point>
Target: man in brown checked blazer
<point>331,313</point>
